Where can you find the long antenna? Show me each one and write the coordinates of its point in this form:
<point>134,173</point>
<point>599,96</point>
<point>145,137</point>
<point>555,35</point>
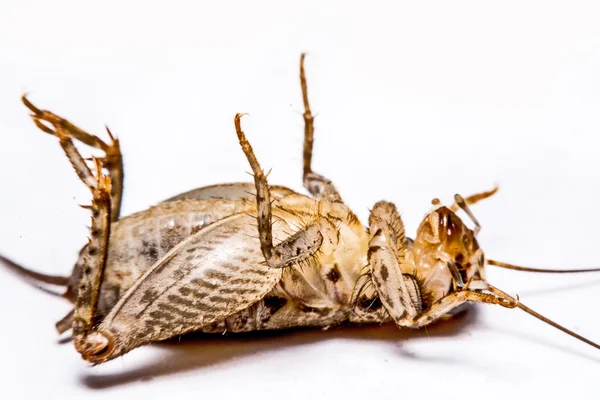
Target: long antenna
<point>541,317</point>
<point>544,270</point>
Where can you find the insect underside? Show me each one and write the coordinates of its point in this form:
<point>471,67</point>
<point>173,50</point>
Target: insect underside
<point>242,257</point>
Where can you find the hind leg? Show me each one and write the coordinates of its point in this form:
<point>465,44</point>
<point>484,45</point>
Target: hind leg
<point>92,274</point>
<point>66,132</point>
<point>112,161</point>
<point>85,315</point>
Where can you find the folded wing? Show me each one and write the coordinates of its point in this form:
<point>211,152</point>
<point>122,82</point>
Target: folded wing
<point>213,274</point>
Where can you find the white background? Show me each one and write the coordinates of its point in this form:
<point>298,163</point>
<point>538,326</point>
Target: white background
<point>412,102</point>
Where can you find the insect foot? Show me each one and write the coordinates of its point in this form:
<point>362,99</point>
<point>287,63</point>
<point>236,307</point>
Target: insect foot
<point>67,132</point>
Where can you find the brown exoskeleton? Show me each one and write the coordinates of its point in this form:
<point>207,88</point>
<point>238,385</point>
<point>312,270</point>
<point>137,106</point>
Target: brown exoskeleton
<point>195,262</point>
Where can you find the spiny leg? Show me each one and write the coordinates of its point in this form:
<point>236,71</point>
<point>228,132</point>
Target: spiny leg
<point>86,304</point>
<point>92,274</point>
<point>112,160</point>
<point>387,249</point>
<point>317,185</point>
<point>296,248</point>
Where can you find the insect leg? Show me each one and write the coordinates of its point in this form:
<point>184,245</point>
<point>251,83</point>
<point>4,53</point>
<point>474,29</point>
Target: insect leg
<point>86,303</point>
<point>112,160</point>
<point>298,247</point>
<point>92,274</point>
<point>492,295</point>
<point>387,249</point>
<point>455,299</point>
<point>317,185</point>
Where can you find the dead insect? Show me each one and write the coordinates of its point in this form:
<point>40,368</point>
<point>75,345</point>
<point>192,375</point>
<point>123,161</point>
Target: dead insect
<point>195,262</point>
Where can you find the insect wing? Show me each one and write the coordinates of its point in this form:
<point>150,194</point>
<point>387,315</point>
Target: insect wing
<point>231,191</point>
<point>213,274</point>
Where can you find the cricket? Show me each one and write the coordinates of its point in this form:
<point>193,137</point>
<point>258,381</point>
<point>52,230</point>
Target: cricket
<point>242,257</point>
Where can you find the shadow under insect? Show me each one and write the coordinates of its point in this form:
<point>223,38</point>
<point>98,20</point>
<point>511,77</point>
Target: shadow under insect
<point>197,351</point>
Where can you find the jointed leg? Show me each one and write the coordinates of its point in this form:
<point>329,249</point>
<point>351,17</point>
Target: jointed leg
<point>492,295</point>
<point>66,131</point>
<point>455,299</point>
<point>86,304</point>
<point>317,185</point>
<point>387,249</point>
<point>385,216</point>
<point>296,248</point>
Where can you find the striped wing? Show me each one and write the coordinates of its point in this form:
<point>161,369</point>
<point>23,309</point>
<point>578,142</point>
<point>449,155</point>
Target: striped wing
<point>213,274</point>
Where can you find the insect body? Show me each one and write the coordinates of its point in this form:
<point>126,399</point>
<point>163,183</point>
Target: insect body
<point>242,257</point>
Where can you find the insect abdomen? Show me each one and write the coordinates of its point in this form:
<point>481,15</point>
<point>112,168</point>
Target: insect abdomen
<point>278,311</point>
<point>313,294</point>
